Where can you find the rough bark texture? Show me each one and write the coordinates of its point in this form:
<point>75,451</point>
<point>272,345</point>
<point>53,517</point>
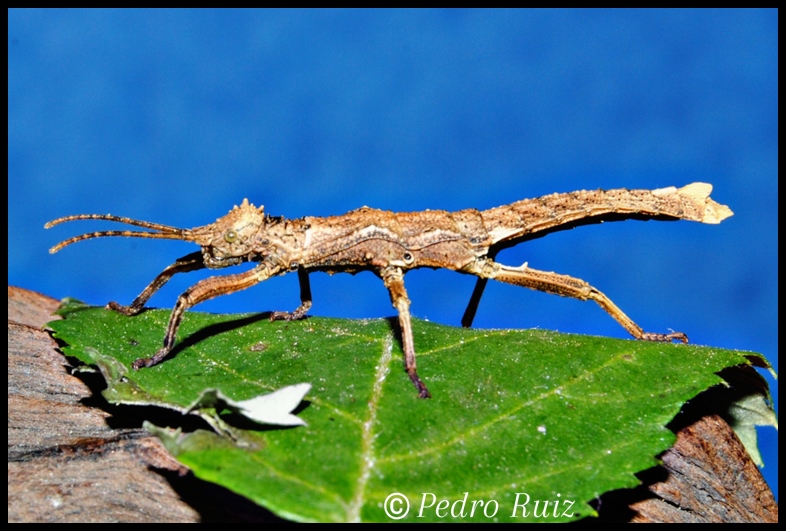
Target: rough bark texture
<point>74,458</point>
<point>711,479</point>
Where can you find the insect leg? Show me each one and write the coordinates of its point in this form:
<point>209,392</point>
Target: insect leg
<point>565,286</point>
<point>201,291</point>
<point>190,262</point>
<point>394,281</point>
<point>474,300</point>
<point>305,300</point>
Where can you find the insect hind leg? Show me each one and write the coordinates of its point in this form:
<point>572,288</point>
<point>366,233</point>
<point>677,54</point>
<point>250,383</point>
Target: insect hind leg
<point>565,286</point>
<point>477,293</point>
<point>474,301</point>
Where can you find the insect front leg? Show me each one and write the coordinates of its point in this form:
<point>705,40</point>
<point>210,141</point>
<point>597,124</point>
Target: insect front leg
<point>191,262</point>
<point>394,281</point>
<point>305,300</point>
<point>565,286</point>
<point>201,291</point>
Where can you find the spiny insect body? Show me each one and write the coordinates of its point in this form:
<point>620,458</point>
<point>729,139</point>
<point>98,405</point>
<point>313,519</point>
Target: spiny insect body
<point>390,244</point>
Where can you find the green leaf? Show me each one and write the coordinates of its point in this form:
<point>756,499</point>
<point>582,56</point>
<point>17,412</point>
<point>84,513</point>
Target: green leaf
<point>516,415</point>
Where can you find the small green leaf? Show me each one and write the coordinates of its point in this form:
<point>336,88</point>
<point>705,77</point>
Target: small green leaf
<point>524,425</point>
<point>747,413</point>
<point>70,305</point>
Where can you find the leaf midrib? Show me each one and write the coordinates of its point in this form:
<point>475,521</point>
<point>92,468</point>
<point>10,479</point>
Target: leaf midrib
<point>367,454</point>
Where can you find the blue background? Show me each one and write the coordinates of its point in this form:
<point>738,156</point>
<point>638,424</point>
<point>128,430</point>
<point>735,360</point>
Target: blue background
<point>175,116</point>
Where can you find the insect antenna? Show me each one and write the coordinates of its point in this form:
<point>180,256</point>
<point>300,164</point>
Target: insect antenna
<point>165,231</point>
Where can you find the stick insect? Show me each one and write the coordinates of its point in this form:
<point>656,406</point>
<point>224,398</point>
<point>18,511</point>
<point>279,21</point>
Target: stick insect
<point>390,244</point>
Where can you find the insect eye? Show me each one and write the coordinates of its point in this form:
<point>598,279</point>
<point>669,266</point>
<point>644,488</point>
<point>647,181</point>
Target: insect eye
<point>230,236</point>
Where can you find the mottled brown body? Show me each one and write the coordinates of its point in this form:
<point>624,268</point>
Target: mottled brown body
<point>390,244</point>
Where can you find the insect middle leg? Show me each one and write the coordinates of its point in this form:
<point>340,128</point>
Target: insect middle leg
<point>305,301</point>
<point>565,286</point>
<point>394,281</point>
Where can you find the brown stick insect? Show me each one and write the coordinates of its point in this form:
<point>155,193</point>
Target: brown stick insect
<point>390,244</point>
